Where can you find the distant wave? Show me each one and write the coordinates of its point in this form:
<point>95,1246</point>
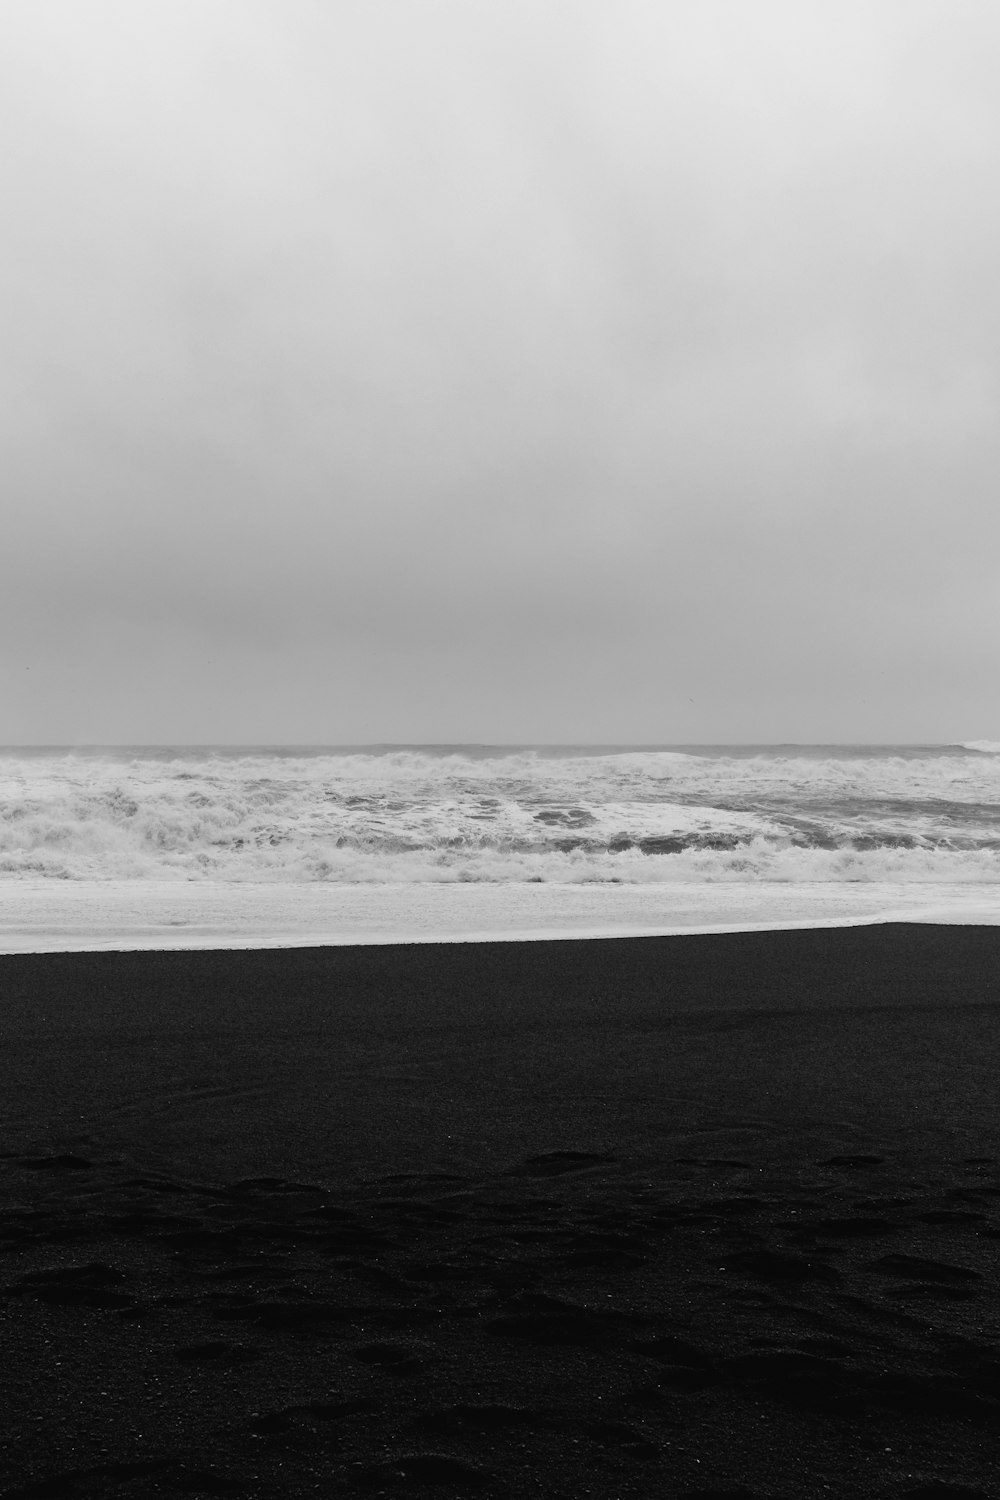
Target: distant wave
<point>987,747</point>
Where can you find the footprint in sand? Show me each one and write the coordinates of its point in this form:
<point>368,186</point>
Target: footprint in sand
<point>558,1163</point>
<point>393,1359</point>
<point>438,1469</point>
<point>217,1353</point>
<point>918,1268</point>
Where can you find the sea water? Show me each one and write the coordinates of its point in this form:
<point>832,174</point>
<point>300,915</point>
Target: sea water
<point>165,846</point>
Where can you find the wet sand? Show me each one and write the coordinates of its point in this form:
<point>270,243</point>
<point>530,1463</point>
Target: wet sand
<point>690,1216</point>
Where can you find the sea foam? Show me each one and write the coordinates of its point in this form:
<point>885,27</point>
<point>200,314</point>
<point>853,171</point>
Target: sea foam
<point>416,816</point>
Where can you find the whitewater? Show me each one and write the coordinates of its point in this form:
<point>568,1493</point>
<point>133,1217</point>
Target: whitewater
<point>161,847</point>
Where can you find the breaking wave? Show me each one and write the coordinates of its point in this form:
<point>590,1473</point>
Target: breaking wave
<point>401,816</point>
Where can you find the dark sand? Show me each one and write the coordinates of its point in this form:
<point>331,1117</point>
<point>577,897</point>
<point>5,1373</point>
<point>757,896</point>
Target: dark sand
<point>692,1216</point>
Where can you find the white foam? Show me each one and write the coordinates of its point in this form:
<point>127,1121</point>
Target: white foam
<point>44,917</point>
<point>411,816</point>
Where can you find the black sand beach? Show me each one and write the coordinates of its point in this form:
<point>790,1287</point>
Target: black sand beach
<point>693,1216</point>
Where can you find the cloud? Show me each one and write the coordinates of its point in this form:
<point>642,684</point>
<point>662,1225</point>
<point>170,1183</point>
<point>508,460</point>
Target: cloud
<point>498,356</point>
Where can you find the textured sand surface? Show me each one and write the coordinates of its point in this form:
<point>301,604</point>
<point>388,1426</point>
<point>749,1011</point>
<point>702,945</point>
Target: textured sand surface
<point>695,1216</point>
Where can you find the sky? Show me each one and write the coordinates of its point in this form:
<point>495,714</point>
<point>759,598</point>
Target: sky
<point>545,371</point>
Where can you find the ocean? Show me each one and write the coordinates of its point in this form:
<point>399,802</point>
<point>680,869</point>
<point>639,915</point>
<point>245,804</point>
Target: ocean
<point>161,846</point>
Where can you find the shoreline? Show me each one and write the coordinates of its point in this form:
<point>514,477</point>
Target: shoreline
<point>45,916</point>
<point>155,942</point>
<point>626,1218</point>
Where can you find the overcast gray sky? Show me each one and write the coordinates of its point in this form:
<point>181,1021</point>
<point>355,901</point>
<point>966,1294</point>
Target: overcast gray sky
<point>535,370</point>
